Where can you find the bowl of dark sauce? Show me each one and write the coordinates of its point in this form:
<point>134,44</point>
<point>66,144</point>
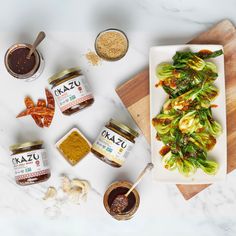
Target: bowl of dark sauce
<point>120,188</point>
<point>19,66</point>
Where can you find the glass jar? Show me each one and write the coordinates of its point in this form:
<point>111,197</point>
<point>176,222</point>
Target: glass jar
<point>71,90</point>
<point>19,66</point>
<point>30,163</point>
<point>120,188</point>
<point>114,143</point>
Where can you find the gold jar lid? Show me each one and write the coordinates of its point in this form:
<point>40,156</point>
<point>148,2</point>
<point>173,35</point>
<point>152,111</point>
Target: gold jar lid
<point>25,145</point>
<point>125,128</point>
<point>61,74</point>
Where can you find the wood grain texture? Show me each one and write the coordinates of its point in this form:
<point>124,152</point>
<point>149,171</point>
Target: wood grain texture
<point>135,95</point>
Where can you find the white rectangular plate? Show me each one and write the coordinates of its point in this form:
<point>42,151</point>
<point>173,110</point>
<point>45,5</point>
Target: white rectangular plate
<point>157,99</point>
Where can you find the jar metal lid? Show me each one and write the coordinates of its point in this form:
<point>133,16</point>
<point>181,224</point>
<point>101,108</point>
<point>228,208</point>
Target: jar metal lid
<point>61,74</point>
<point>25,145</point>
<point>124,127</point>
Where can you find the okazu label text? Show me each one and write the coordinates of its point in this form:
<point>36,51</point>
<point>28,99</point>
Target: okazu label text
<point>72,92</point>
<point>31,163</point>
<point>113,146</point>
<point>69,86</point>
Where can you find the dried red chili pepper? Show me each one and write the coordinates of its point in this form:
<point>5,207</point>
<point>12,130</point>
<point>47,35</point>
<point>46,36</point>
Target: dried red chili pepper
<point>50,99</point>
<point>47,121</point>
<point>30,104</point>
<point>40,111</point>
<point>41,103</point>
<point>51,105</point>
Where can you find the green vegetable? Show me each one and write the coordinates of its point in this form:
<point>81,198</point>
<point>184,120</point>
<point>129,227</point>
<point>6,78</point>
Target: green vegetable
<point>188,59</point>
<point>164,70</point>
<point>209,167</point>
<point>185,123</point>
<point>163,122</point>
<point>190,122</point>
<point>170,161</point>
<point>188,70</point>
<point>186,167</point>
<point>212,126</point>
<point>210,54</point>
<point>211,67</point>
<point>203,140</point>
<point>202,95</point>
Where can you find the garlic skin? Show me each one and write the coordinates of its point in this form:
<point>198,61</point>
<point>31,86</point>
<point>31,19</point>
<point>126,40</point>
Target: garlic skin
<point>73,191</point>
<point>51,193</point>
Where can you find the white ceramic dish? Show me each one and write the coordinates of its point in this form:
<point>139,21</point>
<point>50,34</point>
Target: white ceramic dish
<point>65,137</point>
<point>157,98</point>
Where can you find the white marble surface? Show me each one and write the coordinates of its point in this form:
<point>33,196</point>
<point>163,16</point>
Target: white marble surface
<point>71,27</point>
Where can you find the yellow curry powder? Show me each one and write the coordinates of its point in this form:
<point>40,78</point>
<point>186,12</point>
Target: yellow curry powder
<point>74,148</point>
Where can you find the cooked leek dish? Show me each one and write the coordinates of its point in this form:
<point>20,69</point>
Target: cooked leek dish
<point>185,124</point>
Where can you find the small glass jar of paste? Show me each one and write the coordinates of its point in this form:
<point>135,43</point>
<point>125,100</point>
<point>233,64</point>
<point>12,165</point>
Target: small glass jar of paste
<point>114,143</point>
<point>120,188</point>
<point>30,163</point>
<point>71,91</point>
<point>19,66</point>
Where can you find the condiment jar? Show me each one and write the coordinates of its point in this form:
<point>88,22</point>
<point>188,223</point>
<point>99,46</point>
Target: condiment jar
<point>30,163</point>
<point>19,66</point>
<point>71,90</point>
<point>114,143</point>
<point>120,188</point>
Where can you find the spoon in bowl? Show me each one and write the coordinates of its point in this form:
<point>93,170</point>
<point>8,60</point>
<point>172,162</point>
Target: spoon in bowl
<point>121,201</point>
<point>38,40</point>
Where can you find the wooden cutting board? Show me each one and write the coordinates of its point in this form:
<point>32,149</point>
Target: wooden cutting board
<point>135,94</point>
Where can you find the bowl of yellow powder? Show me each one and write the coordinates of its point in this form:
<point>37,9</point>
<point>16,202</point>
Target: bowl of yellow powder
<point>73,146</point>
<point>111,44</point>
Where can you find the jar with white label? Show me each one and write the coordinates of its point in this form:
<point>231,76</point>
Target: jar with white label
<point>114,143</point>
<point>30,163</point>
<point>71,91</point>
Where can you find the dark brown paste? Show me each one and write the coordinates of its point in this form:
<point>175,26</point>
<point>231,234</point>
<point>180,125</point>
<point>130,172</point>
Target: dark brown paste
<point>18,62</point>
<point>120,191</point>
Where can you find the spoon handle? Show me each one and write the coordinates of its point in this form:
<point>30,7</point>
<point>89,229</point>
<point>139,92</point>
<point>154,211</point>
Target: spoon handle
<point>40,37</point>
<point>146,169</point>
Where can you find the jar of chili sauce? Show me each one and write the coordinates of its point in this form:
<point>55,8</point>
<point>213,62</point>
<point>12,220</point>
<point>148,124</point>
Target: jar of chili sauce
<point>120,188</point>
<point>30,163</point>
<point>71,90</point>
<point>114,143</point>
<point>19,66</point>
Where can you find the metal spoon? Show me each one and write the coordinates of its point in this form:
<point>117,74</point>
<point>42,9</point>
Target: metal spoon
<point>121,201</point>
<point>38,40</point>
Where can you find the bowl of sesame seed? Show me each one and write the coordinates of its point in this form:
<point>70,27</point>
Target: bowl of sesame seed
<point>111,44</point>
